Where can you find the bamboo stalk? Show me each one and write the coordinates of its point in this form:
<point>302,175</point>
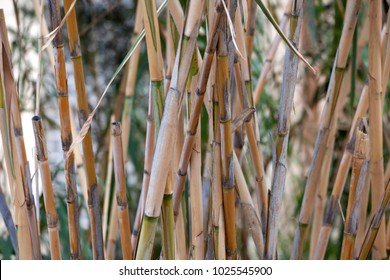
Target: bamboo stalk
<point>194,119</point>
<point>287,95</point>
<point>48,194</point>
<point>66,134</point>
<point>375,114</point>
<point>254,224</point>
<point>112,230</point>
<point>328,116</point>
<point>271,53</point>
<point>164,147</point>
<point>358,182</point>
<point>83,112</point>
<point>121,196</point>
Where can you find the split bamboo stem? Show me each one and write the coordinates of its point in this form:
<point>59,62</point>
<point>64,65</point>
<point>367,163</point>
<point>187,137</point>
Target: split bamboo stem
<point>66,133</point>
<point>375,115</point>
<point>328,116</point>
<point>48,193</point>
<point>194,118</point>
<point>83,112</point>
<point>121,196</point>
<point>271,54</point>
<point>358,182</point>
<point>166,137</point>
<point>286,101</point>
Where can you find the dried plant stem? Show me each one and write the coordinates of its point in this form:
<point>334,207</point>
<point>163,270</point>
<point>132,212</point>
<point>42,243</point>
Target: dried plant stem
<point>286,101</point>
<point>358,182</point>
<point>121,196</point>
<point>83,112</point>
<point>329,115</point>
<point>48,194</point>
<point>375,115</point>
<point>66,133</point>
<point>194,118</point>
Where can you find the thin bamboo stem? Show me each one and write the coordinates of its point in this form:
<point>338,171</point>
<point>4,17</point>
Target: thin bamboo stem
<point>83,112</point>
<point>66,133</point>
<point>48,194</point>
<point>121,196</point>
<point>329,115</point>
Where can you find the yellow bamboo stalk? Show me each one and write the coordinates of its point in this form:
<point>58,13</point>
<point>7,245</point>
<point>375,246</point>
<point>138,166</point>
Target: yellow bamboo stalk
<point>48,194</point>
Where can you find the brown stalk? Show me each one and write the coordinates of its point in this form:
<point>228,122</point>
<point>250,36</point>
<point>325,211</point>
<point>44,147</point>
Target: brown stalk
<point>329,115</point>
<point>48,194</point>
<point>121,196</point>
<point>83,112</point>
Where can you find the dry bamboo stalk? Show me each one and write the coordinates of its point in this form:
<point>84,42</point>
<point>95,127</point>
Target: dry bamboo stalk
<point>362,226</point>
<point>251,126</point>
<point>328,116</point>
<point>164,148</point>
<point>286,101</point>
<point>254,224</point>
<point>250,29</point>
<point>194,119</point>
<point>83,112</point>
<point>375,114</point>
<point>10,105</point>
<point>66,132</point>
<point>271,54</point>
<point>121,196</point>
<point>375,224</point>
<point>358,182</point>
<point>112,230</point>
<point>48,194</point>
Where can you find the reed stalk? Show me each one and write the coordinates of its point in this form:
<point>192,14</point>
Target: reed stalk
<point>48,193</point>
<point>121,196</point>
<point>266,68</point>
<point>328,116</point>
<point>66,134</point>
<point>375,115</point>
<point>284,113</point>
<point>194,118</point>
<point>83,112</point>
<point>166,137</point>
<point>358,182</point>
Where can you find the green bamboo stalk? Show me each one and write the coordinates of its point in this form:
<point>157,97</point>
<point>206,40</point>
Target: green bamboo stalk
<point>83,111</point>
<point>328,116</point>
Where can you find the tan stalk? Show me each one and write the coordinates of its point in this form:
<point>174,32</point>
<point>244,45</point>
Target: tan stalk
<point>83,112</point>
<point>375,116</point>
<point>356,187</point>
<point>166,137</point>
<point>48,193</point>
<point>328,116</point>
<point>121,196</point>
<point>66,133</point>
<point>112,230</point>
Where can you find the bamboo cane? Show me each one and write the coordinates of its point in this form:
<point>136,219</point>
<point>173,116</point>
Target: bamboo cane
<point>83,111</point>
<point>121,196</point>
<point>66,134</point>
<point>358,182</point>
<point>48,194</point>
<point>164,148</point>
<point>375,114</point>
<point>328,116</point>
<point>284,113</point>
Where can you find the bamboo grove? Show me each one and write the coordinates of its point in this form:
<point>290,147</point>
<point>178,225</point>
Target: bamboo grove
<point>216,173</point>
